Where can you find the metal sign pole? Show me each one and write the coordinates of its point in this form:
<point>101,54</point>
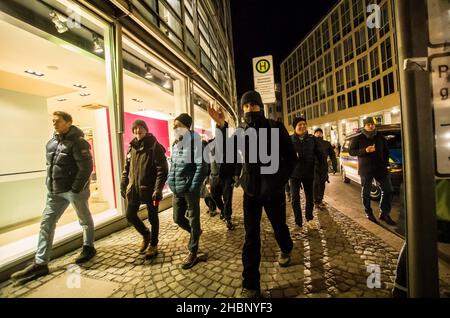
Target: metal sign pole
<point>418,146</point>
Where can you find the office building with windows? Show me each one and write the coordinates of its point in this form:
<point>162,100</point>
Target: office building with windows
<point>344,70</point>
<point>107,63</point>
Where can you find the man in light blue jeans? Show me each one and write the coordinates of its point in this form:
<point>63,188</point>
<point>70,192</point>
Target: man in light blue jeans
<point>69,167</point>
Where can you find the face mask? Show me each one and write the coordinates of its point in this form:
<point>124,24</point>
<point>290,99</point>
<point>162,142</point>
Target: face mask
<point>180,132</point>
<point>253,118</point>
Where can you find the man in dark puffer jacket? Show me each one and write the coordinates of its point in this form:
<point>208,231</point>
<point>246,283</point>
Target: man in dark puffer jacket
<point>143,179</point>
<point>186,175</point>
<point>69,166</point>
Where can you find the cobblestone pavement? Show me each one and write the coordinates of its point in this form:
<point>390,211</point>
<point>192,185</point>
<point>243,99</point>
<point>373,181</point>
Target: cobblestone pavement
<point>330,259</point>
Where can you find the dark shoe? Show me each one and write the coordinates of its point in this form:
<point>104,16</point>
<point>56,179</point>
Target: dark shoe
<point>212,213</point>
<point>32,271</point>
<point>398,293</point>
<point>372,218</point>
<point>230,225</point>
<point>151,252</point>
<point>145,243</point>
<point>86,254</point>
<point>386,218</point>
<point>250,293</point>
<point>190,260</point>
<point>222,216</point>
<point>284,259</point>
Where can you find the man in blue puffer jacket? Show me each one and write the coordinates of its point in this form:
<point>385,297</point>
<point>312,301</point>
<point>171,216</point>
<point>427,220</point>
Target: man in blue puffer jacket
<point>186,175</point>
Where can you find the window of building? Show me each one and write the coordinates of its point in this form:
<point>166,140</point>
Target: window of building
<point>336,26</point>
<point>323,109</point>
<point>302,80</point>
<point>316,111</point>
<point>328,63</point>
<point>364,94</point>
<point>372,34</point>
<point>348,49</point>
<point>308,96</point>
<point>170,24</point>
<point>360,40</point>
<point>374,63</point>
<point>313,70</point>
<point>315,94</point>
<point>297,102</point>
<point>318,40</point>
<point>338,55</point>
<point>309,114</point>
<point>322,89</point>
<point>329,85</point>
<point>331,106</point>
<point>320,67</point>
<point>340,84</point>
<point>305,55</point>
<point>326,35</point>
<point>376,89</point>
<point>385,27</point>
<point>311,49</point>
<point>358,12</point>
<point>350,75</point>
<point>346,19</point>
<point>307,77</point>
<point>363,72</point>
<point>341,102</point>
<point>386,54</point>
<point>388,84</point>
<point>302,99</point>
<point>352,100</point>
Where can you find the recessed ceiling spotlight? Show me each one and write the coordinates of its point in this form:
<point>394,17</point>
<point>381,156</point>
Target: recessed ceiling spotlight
<point>167,83</point>
<point>61,99</point>
<point>148,73</point>
<point>84,94</point>
<point>59,21</point>
<point>31,72</point>
<point>98,47</point>
<point>80,86</point>
<point>137,100</point>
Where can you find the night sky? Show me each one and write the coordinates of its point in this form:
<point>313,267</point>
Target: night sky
<point>270,27</point>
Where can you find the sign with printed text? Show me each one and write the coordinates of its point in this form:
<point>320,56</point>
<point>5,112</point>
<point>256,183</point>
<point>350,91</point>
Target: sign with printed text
<point>263,78</point>
<point>440,79</point>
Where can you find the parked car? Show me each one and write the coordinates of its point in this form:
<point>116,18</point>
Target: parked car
<point>349,164</point>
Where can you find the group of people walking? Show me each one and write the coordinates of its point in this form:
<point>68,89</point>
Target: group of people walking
<point>302,165</point>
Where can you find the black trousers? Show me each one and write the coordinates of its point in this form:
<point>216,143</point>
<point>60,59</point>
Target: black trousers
<point>222,194</point>
<point>307,185</point>
<point>211,204</point>
<point>320,181</point>
<point>275,208</point>
<point>132,217</point>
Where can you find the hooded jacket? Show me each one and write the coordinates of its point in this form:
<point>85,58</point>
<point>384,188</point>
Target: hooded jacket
<point>69,162</point>
<point>308,153</point>
<point>145,170</point>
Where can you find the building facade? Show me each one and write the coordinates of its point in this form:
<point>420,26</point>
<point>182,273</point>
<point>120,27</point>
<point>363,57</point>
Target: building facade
<point>344,70</point>
<point>107,63</point>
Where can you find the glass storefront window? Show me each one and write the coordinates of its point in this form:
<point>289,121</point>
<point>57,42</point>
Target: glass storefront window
<point>53,60</point>
<point>153,93</point>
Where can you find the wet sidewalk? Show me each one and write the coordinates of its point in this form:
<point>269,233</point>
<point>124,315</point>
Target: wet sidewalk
<point>330,259</point>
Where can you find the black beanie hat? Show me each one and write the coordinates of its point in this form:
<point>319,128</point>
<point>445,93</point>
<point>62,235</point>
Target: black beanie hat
<point>185,119</point>
<point>297,120</point>
<point>318,130</point>
<point>139,123</point>
<point>252,96</point>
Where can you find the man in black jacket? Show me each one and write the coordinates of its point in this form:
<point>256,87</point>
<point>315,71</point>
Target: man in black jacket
<point>373,162</point>
<point>308,153</point>
<point>321,172</point>
<point>143,179</point>
<point>261,190</point>
<point>69,167</point>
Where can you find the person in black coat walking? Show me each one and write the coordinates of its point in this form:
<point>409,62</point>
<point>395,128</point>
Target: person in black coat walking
<point>308,153</point>
<point>261,190</point>
<point>373,161</point>
<point>321,172</point>
<point>142,182</point>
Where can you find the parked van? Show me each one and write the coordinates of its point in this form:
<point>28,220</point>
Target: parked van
<point>349,164</point>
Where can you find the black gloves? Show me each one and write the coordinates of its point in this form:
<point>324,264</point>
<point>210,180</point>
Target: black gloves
<point>157,196</point>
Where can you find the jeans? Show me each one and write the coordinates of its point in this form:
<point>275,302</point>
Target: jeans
<point>133,218</point>
<point>386,193</point>
<point>295,185</point>
<point>275,208</point>
<point>186,213</point>
<point>54,209</point>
